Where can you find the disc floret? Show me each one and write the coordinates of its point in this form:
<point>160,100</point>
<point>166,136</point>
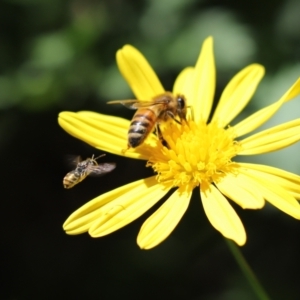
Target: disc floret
<point>197,154</point>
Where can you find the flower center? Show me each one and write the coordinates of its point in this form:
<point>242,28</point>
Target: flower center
<point>197,154</point>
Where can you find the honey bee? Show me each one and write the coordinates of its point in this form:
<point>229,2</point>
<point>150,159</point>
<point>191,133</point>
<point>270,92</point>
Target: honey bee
<point>85,168</point>
<point>151,113</point>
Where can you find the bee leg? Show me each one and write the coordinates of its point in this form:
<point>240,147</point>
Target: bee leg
<point>171,115</point>
<point>160,136</point>
<point>192,112</point>
<point>182,117</point>
<point>124,150</point>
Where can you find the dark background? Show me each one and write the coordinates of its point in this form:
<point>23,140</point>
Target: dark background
<point>60,55</point>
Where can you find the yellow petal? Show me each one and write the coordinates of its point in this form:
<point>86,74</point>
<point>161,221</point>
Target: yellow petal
<point>274,171</point>
<point>138,73</point>
<point>82,219</point>
<point>144,151</point>
<point>107,133</point>
<point>260,117</point>
<point>238,93</point>
<point>222,216</point>
<point>242,191</point>
<point>272,139</point>
<point>288,181</point>
<point>129,206</point>
<point>159,226</point>
<point>184,82</point>
<point>204,82</point>
<point>275,194</point>
<point>184,86</point>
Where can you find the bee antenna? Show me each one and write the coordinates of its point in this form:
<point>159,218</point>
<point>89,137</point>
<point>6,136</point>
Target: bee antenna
<point>98,156</point>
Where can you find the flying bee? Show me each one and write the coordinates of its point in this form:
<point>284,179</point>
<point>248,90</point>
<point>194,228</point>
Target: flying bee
<point>85,168</point>
<point>151,113</point>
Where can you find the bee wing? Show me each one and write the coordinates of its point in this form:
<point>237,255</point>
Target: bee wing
<point>135,104</point>
<point>101,169</point>
<point>73,160</point>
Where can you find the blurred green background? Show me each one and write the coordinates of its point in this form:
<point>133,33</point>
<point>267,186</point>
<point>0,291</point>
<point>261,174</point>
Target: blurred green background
<point>60,55</point>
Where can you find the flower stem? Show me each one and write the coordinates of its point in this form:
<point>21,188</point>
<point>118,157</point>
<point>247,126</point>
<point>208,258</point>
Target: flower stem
<point>247,271</point>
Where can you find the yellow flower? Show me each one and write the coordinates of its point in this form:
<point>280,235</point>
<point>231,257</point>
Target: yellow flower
<point>200,154</point>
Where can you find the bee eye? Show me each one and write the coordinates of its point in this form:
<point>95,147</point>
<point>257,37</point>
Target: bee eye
<point>181,102</point>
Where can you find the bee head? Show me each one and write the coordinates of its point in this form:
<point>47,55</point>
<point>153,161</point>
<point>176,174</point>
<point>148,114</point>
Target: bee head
<point>181,107</point>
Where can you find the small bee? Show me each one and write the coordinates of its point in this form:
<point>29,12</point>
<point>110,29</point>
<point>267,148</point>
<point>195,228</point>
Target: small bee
<point>151,113</point>
<point>85,168</point>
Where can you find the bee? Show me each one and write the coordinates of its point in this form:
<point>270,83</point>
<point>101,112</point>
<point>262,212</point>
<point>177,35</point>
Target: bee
<point>85,168</point>
<point>151,113</point>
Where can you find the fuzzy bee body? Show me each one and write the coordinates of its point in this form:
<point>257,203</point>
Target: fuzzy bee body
<point>151,113</point>
<point>71,179</point>
<point>142,123</point>
<point>85,168</point>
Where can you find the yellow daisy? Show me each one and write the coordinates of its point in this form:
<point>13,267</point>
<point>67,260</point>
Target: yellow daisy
<point>200,154</point>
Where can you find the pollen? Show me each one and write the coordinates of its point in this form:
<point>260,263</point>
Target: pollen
<point>196,154</point>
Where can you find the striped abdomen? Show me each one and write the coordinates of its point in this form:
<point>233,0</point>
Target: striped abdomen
<point>72,178</point>
<point>141,125</point>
